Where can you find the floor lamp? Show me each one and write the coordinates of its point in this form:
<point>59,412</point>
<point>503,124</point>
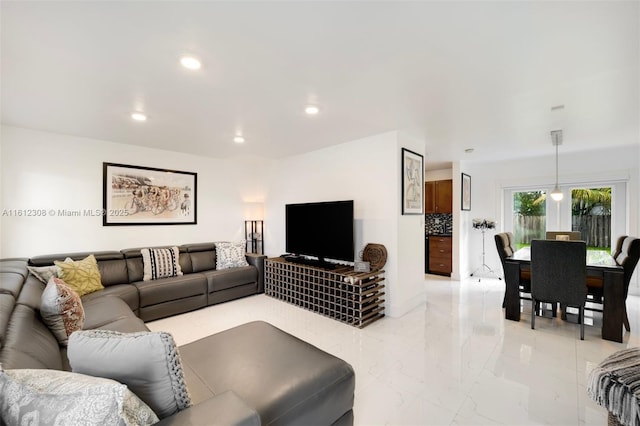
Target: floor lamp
<point>254,236</point>
<point>483,225</point>
<point>254,227</point>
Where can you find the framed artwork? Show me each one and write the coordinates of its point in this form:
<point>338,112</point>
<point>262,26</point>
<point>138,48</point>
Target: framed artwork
<point>412,182</point>
<point>466,192</point>
<point>134,195</point>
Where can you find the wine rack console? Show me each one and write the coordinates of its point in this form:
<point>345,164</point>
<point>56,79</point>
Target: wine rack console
<point>355,298</point>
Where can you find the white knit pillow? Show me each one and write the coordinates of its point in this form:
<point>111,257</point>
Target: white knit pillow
<point>230,255</point>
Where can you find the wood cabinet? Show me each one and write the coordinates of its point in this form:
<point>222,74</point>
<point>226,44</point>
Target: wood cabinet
<point>440,255</point>
<point>438,196</point>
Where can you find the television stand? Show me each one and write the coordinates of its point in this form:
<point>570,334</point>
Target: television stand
<point>355,298</point>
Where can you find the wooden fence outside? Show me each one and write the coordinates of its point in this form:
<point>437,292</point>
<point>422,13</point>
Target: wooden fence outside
<point>594,229</point>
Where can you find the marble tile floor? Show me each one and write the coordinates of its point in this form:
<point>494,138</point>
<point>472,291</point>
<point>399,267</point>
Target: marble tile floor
<point>455,361</point>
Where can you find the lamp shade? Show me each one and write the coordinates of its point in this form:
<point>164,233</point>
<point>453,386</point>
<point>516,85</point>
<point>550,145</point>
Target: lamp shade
<point>556,194</point>
<point>253,211</point>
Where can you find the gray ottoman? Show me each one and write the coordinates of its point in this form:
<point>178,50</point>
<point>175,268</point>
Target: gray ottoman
<point>286,380</point>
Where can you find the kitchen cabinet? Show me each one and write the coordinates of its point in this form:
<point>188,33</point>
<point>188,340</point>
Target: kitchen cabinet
<point>438,196</point>
<point>440,255</point>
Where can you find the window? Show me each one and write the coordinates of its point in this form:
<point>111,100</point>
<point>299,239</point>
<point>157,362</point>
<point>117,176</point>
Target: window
<point>529,216</point>
<point>597,209</point>
<point>591,215</point>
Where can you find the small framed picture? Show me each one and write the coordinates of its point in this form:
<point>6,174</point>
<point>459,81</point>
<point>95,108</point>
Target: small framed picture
<point>412,182</point>
<point>466,192</point>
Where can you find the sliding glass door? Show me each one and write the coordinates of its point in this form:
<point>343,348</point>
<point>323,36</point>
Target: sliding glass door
<point>598,211</point>
<point>528,214</point>
<point>591,215</point>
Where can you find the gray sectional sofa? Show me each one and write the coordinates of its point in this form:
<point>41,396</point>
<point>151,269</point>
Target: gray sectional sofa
<point>251,374</point>
<point>200,286</point>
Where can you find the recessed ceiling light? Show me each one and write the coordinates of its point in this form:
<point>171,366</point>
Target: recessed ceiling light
<point>468,150</point>
<point>138,116</point>
<point>190,62</point>
<point>312,110</point>
<point>238,139</point>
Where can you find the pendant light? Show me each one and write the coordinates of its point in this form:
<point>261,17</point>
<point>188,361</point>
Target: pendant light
<point>556,139</point>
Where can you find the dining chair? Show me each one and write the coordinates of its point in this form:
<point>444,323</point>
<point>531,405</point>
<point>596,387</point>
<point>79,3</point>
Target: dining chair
<point>573,235</point>
<point>626,254</point>
<point>558,275</point>
<point>505,246</point>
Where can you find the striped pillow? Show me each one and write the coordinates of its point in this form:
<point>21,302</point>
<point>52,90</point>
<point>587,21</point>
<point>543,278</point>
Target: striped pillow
<point>160,263</point>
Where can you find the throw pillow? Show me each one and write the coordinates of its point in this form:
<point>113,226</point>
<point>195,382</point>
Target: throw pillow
<point>230,255</point>
<point>61,310</point>
<point>147,362</point>
<point>160,263</point>
<point>52,397</point>
<point>44,273</point>
<point>83,276</point>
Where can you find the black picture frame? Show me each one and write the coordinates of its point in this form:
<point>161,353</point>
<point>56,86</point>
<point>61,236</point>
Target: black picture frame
<point>137,195</point>
<point>412,182</point>
<point>465,192</point>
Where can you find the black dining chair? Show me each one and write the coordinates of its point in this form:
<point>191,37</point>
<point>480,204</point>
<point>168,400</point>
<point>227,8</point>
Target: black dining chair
<point>505,246</point>
<point>558,275</point>
<point>626,254</point>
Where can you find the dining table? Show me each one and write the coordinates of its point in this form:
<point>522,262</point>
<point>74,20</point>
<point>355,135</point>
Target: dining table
<point>600,265</point>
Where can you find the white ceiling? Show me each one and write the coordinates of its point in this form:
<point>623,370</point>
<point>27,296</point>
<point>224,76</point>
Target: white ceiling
<point>458,75</point>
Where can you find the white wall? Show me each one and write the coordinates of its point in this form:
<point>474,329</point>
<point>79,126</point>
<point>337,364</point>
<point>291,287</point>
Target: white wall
<point>43,170</point>
<point>48,171</point>
<point>489,179</point>
<point>409,292</point>
<point>367,171</point>
<point>440,174</point>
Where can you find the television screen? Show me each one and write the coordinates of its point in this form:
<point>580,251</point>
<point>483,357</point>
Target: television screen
<point>323,230</point>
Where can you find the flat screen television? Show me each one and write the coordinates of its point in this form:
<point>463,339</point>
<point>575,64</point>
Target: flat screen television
<point>323,230</point>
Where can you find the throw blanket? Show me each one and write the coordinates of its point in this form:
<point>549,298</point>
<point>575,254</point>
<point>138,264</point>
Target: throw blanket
<point>615,385</point>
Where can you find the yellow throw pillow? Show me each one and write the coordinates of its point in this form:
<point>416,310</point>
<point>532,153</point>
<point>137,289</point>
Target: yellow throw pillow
<point>83,276</point>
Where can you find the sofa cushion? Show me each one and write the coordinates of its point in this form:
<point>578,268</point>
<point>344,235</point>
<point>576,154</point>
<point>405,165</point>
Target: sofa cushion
<point>230,255</point>
<point>148,363</point>
<point>61,310</point>
<point>28,342</point>
<point>228,278</point>
<point>7,302</point>
<point>31,293</point>
<point>160,263</point>
<point>113,271</point>
<point>14,266</point>
<point>170,289</point>
<point>126,292</point>
<point>50,397</point>
<point>110,313</point>
<point>203,260</point>
<point>203,256</point>
<point>83,276</point>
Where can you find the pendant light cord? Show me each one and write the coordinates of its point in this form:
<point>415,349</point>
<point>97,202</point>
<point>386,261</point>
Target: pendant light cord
<point>556,143</point>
